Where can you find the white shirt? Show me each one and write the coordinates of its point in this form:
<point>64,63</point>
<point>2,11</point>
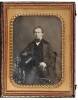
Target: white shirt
<point>37,43</point>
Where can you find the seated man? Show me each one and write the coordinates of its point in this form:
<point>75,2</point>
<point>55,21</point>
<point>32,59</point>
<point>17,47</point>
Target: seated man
<point>36,63</point>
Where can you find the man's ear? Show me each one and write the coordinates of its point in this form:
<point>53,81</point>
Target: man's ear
<point>42,34</point>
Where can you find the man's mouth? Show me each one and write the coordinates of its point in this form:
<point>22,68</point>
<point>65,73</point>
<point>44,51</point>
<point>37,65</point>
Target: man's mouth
<point>37,40</point>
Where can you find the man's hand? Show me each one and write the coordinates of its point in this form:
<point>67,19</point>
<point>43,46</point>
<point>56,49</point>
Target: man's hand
<point>43,66</point>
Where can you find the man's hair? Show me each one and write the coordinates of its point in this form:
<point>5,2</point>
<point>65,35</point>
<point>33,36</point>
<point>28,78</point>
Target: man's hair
<point>38,27</point>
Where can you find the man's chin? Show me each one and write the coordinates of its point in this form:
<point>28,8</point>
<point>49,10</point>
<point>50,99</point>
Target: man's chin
<point>38,40</point>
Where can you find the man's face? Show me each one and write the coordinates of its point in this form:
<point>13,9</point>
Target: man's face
<point>38,33</point>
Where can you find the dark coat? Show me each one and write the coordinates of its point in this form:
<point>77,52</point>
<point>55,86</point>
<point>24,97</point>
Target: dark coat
<point>30,57</point>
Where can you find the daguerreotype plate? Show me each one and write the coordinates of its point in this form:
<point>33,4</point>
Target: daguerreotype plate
<point>37,49</point>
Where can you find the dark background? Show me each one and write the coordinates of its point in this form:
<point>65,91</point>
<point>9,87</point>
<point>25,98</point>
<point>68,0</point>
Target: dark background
<point>23,33</point>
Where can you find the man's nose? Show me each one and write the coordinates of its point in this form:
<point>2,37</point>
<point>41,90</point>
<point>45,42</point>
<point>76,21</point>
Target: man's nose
<point>37,33</point>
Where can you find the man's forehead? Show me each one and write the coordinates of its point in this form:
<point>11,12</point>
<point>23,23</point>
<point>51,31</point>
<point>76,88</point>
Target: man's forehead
<point>38,29</point>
